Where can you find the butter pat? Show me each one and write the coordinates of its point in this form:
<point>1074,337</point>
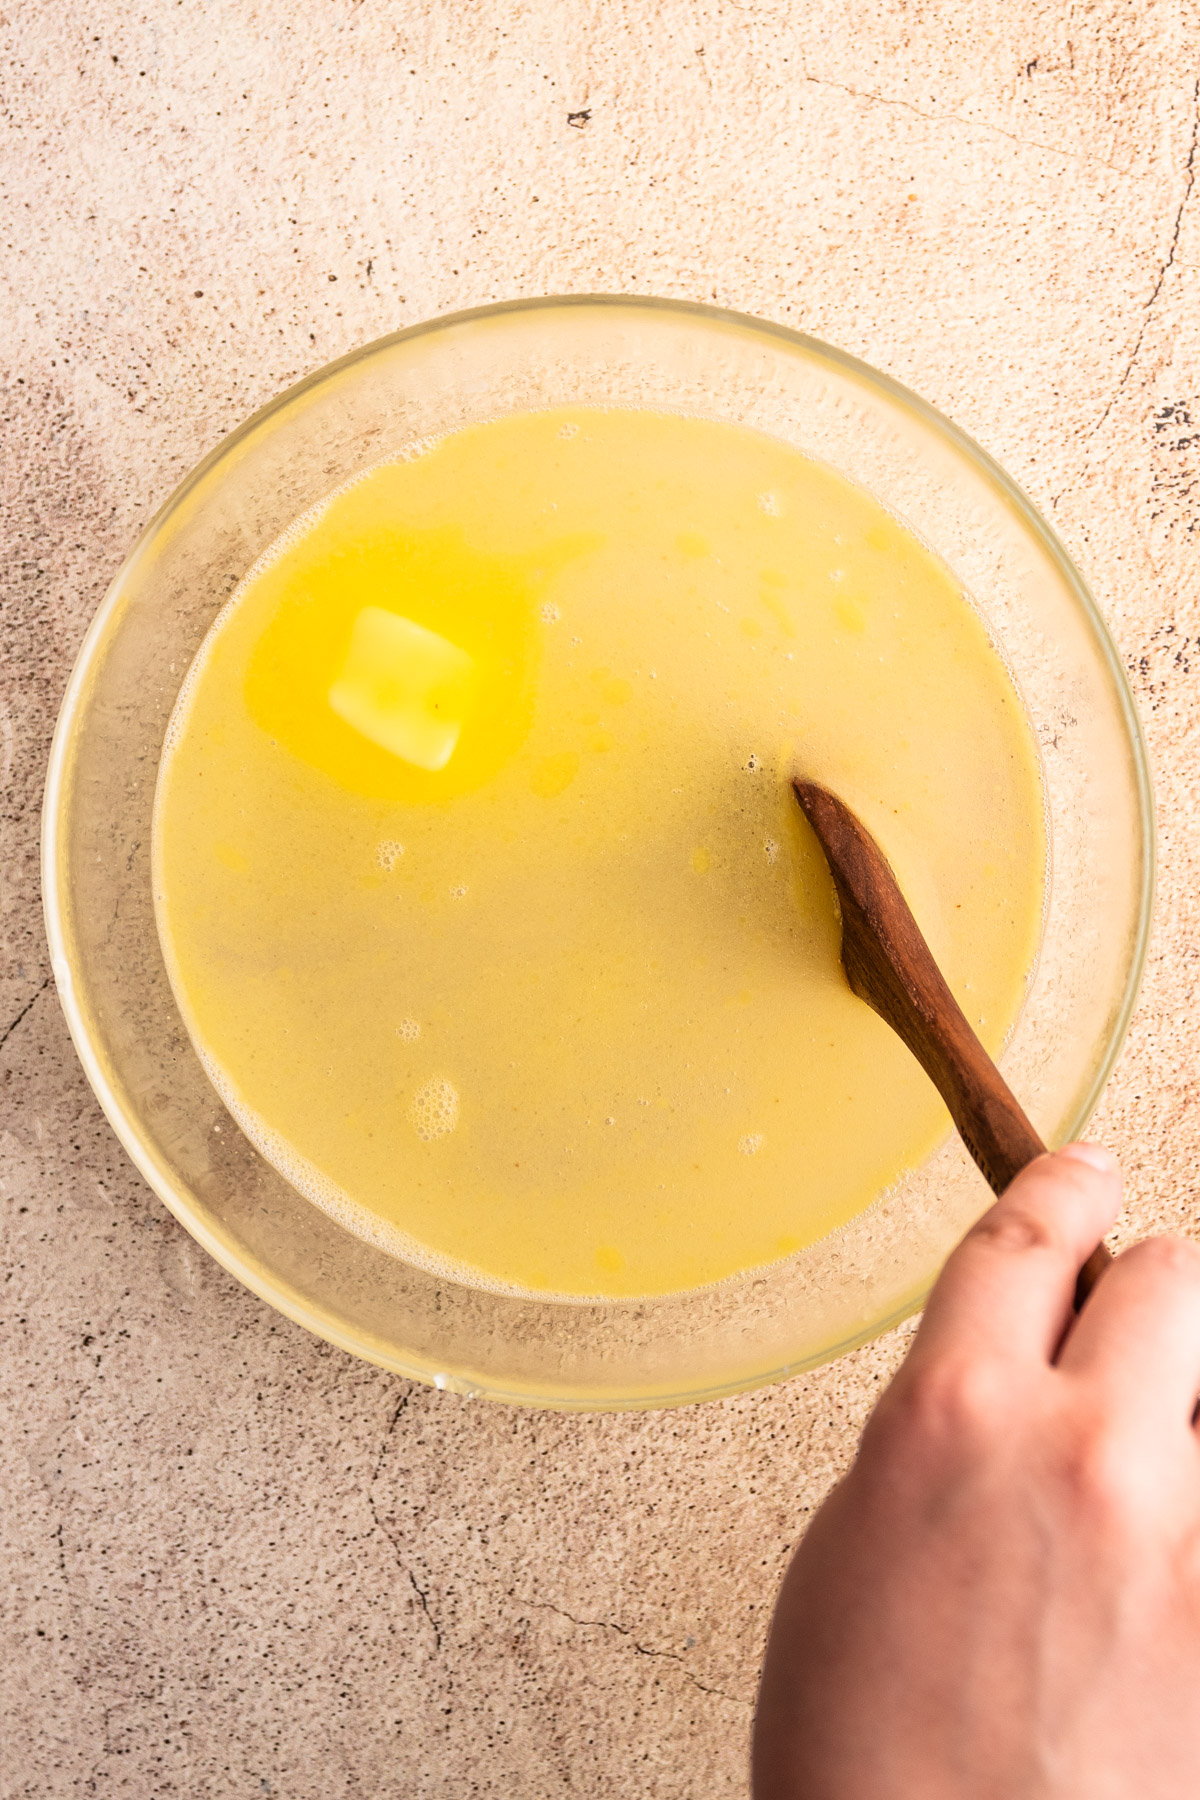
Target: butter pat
<point>405,688</point>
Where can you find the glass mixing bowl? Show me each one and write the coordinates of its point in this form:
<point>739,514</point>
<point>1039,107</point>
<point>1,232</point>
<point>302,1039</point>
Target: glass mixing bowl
<point>433,379</point>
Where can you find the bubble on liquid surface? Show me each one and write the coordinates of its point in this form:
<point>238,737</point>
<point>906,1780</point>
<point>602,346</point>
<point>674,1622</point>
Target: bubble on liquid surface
<point>771,505</point>
<point>388,854</point>
<point>751,1144</point>
<point>772,849</point>
<point>409,1030</point>
<point>550,613</point>
<point>434,1109</point>
<point>568,431</point>
<point>459,891</point>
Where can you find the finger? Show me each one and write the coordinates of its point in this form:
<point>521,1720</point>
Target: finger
<point>1138,1337</point>
<point>1007,1289</point>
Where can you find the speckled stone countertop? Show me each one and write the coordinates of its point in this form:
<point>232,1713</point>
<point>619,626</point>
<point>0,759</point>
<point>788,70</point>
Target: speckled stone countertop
<point>240,1563</point>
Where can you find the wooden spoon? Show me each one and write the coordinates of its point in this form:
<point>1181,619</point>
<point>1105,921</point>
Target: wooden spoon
<point>890,966</point>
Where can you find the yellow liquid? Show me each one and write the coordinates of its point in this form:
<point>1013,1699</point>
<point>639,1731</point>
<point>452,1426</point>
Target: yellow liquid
<point>564,1011</point>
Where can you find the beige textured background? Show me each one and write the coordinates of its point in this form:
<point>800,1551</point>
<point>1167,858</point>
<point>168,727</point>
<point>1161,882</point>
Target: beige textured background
<point>240,1563</point>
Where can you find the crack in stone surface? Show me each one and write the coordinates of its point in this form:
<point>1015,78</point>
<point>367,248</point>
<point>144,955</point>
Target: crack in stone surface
<point>641,1649</point>
<point>1013,137</point>
<point>1168,262</point>
<point>422,1596</point>
<point>28,1007</point>
<point>421,1593</point>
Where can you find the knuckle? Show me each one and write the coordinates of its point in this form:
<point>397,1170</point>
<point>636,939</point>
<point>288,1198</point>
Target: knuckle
<point>1016,1228</point>
<point>1104,1479</point>
<point>1174,1260</point>
<point>951,1400</point>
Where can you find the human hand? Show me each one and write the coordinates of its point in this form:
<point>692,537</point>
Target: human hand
<point>1001,1601</point>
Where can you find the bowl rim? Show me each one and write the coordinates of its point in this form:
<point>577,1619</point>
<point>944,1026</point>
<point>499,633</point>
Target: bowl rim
<point>54,856</point>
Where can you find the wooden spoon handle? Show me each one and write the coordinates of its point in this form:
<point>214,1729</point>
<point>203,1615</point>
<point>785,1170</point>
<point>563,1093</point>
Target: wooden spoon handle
<point>990,1119</point>
<point>891,967</point>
